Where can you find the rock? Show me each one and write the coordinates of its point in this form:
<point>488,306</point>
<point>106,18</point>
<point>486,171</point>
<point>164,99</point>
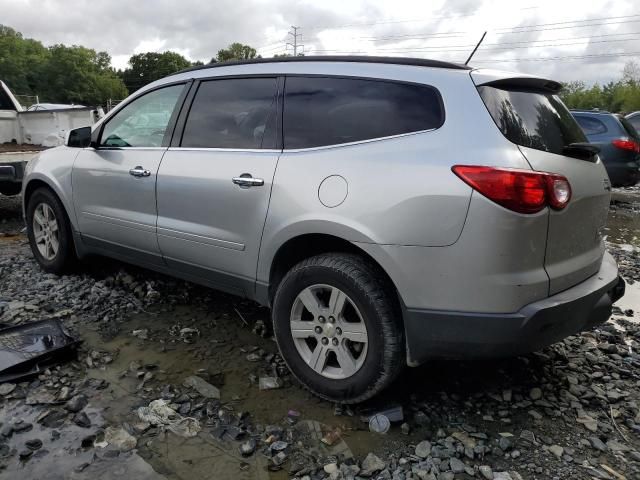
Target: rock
<point>25,454</point>
<point>616,446</point>
<point>423,449</point>
<point>502,476</point>
<point>557,450</point>
<point>34,444</point>
<point>247,448</point>
<point>119,438</point>
<point>202,387</point>
<point>486,472</point>
<point>457,466</point>
<point>330,468</point>
<point>597,444</point>
<point>535,415</point>
<point>82,420</point>
<point>76,403</point>
<point>7,388</point>
<point>535,393</point>
<point>405,428</point>
<point>371,464</point>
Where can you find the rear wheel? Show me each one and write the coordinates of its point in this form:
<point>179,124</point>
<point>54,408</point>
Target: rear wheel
<point>337,325</point>
<point>49,232</point>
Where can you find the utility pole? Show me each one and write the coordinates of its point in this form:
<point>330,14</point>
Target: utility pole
<point>295,43</point>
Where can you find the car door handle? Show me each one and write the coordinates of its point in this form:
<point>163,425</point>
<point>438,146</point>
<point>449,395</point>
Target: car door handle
<point>139,172</point>
<point>246,180</point>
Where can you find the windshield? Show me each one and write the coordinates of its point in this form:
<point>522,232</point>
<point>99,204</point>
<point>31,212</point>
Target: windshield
<point>532,118</point>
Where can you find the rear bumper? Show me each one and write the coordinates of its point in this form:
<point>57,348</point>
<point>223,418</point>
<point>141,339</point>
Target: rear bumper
<point>433,333</point>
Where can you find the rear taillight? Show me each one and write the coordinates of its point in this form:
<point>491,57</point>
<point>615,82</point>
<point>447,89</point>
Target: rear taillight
<point>523,191</point>
<point>626,144</point>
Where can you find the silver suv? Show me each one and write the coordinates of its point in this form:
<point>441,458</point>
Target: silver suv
<point>387,210</point>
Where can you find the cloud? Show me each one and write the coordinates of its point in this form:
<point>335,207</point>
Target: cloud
<point>199,28</point>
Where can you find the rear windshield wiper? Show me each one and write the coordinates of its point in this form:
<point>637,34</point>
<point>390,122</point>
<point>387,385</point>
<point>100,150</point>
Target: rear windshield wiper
<point>581,150</point>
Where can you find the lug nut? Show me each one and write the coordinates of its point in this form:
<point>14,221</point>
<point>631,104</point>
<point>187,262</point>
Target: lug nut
<point>335,341</point>
<point>321,319</point>
<point>339,331</point>
<point>325,341</point>
<point>332,320</point>
<point>318,329</point>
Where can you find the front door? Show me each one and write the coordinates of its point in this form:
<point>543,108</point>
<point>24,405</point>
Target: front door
<point>114,185</point>
<point>214,186</point>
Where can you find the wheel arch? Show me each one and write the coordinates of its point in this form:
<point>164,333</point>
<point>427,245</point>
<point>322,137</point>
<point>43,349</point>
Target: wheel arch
<point>308,245</point>
<point>39,182</point>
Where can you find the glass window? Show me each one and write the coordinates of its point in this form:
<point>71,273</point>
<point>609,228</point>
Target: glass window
<point>591,126</point>
<point>534,119</point>
<point>328,111</point>
<point>143,122</point>
<point>233,113</point>
<point>635,121</point>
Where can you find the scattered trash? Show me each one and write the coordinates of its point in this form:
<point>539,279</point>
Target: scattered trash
<point>332,437</point>
<point>394,414</point>
<point>142,334</point>
<point>278,446</point>
<point>118,438</point>
<point>248,447</point>
<point>30,348</point>
<point>254,357</point>
<point>241,317</point>
<point>189,335</point>
<point>269,383</point>
<point>203,388</point>
<point>293,416</point>
<point>379,423</point>
<point>160,414</point>
<point>260,329</point>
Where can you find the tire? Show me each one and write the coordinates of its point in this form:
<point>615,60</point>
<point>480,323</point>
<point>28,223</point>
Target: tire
<point>64,258</point>
<point>370,301</point>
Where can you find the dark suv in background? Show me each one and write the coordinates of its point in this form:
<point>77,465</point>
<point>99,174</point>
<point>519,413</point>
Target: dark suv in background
<point>618,141</point>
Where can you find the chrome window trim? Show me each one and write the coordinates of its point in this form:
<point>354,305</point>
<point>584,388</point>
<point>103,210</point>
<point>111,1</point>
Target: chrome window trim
<point>219,149</point>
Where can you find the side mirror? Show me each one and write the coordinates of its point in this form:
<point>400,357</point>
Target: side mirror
<point>78,137</point>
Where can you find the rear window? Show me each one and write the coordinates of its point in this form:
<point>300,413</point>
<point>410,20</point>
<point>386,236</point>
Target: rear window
<point>591,126</point>
<point>635,121</point>
<point>321,111</point>
<point>533,119</point>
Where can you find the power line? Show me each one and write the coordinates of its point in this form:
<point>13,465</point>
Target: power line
<point>566,57</point>
<point>445,49</point>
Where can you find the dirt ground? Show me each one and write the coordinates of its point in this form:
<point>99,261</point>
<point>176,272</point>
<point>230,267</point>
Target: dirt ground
<point>571,411</point>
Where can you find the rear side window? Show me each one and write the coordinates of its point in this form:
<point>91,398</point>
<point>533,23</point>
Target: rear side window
<point>233,113</point>
<point>591,126</point>
<point>321,111</point>
<point>534,119</point>
<point>628,127</point>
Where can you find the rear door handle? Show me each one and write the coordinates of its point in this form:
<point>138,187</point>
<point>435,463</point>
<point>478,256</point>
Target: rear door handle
<point>139,172</point>
<point>246,180</point>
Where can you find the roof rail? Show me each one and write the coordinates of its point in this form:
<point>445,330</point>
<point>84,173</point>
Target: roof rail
<point>588,110</point>
<point>419,62</point>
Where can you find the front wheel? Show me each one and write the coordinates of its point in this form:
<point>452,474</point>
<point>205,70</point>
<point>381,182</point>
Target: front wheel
<point>49,232</point>
<point>337,324</point>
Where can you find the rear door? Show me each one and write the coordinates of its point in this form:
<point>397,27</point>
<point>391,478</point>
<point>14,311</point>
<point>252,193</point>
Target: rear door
<point>215,181</point>
<point>530,114</point>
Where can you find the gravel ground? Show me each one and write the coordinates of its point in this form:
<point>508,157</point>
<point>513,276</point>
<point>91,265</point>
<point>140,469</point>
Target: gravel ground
<point>152,343</point>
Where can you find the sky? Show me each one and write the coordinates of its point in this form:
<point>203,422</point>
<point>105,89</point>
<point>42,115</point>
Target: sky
<point>564,40</point>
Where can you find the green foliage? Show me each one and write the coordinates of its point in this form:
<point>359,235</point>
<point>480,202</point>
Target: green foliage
<point>148,67</point>
<point>622,96</point>
<point>235,51</point>
<point>57,74</point>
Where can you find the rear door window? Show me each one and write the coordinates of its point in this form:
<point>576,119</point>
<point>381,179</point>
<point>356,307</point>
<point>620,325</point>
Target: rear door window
<point>321,111</point>
<point>635,121</point>
<point>237,113</point>
<point>629,128</point>
<point>590,125</point>
<point>532,118</point>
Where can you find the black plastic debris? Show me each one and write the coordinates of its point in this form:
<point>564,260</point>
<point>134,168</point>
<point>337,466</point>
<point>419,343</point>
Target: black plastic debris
<point>30,348</point>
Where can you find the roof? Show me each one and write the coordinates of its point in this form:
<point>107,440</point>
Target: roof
<point>589,110</point>
<point>418,62</point>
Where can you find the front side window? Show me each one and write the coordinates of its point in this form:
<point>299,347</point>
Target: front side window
<point>233,113</point>
<point>321,111</point>
<point>144,121</point>
<point>532,118</point>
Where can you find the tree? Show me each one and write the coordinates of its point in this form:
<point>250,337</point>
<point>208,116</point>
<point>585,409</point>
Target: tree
<point>148,67</point>
<point>235,51</point>
<point>631,72</point>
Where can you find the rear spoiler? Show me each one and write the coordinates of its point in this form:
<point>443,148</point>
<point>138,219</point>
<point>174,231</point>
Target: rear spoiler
<point>494,78</point>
